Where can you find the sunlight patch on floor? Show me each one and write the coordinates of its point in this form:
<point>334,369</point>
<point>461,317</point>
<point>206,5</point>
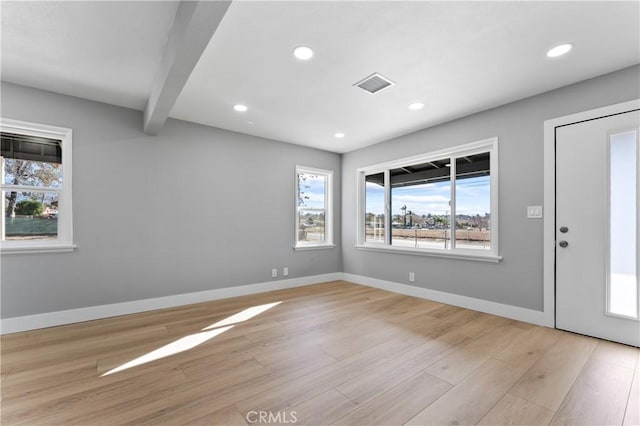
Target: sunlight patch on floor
<point>191,341</point>
<point>243,315</point>
<point>180,345</point>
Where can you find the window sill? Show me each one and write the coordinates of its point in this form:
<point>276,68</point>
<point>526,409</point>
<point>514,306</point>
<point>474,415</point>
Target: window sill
<point>42,248</point>
<point>482,257</point>
<point>314,247</point>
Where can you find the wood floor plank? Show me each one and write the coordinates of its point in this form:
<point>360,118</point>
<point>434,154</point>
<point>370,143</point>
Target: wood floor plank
<point>31,386</point>
<point>287,358</point>
<point>359,342</point>
<point>205,395</point>
<point>322,409</point>
<point>303,388</point>
<point>425,327</point>
<point>336,352</point>
<point>459,364</point>
<point>469,401</point>
<point>632,413</point>
<point>333,326</point>
<point>548,381</point>
<point>399,369</point>
<point>484,324</point>
<point>89,398</point>
<point>169,404</point>
<point>529,346</point>
<point>511,410</point>
<point>88,383</point>
<point>623,355</point>
<point>226,417</point>
<point>445,311</point>
<point>398,404</point>
<point>87,347</point>
<point>584,405</point>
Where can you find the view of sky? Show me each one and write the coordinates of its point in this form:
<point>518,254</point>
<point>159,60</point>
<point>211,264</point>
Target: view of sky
<point>472,197</point>
<point>312,189</point>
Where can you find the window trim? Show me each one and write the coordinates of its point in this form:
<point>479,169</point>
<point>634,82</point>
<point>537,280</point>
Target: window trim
<point>64,241</point>
<point>486,145</point>
<point>328,207</point>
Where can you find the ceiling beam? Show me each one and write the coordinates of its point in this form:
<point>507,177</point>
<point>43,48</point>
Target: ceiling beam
<point>193,26</point>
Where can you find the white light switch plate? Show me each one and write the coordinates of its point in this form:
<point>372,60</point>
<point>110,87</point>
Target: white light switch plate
<point>534,212</point>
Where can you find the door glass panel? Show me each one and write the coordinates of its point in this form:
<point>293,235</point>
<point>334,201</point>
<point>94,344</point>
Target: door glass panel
<point>623,204</point>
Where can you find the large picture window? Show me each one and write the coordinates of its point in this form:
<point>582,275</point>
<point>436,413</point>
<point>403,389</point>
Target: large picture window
<point>441,203</point>
<point>36,187</point>
<point>313,208</point>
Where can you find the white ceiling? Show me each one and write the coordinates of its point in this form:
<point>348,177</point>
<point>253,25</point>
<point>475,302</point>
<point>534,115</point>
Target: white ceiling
<point>456,57</point>
<point>103,51</point>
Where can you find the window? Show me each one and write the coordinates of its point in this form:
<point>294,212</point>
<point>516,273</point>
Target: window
<point>36,187</point>
<point>374,200</point>
<point>622,282</point>
<point>313,208</point>
<point>442,203</point>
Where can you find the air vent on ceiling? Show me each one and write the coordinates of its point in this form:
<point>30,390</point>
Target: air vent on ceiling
<point>374,83</point>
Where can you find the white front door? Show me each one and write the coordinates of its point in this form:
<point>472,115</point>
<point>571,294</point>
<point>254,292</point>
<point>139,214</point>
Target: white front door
<point>597,227</point>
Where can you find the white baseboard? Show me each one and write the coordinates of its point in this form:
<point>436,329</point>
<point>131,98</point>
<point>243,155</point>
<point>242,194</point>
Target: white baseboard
<point>52,319</point>
<point>508,311</point>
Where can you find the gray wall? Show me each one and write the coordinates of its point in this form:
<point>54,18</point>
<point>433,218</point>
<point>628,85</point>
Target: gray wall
<point>200,187</point>
<point>194,208</point>
<point>517,280</point>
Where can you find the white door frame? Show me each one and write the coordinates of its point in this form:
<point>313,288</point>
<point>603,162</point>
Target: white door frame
<point>549,253</point>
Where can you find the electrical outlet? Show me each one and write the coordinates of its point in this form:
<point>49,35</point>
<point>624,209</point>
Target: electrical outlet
<point>274,273</point>
<point>412,277</point>
<point>534,212</point>
<point>285,271</point>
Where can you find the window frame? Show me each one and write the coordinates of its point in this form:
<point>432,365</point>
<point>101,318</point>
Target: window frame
<point>64,240</point>
<point>328,208</point>
<point>489,145</point>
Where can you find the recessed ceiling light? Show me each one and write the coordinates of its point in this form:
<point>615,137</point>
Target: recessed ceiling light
<point>339,135</point>
<point>240,107</point>
<point>304,53</point>
<point>559,50</point>
<point>416,106</point>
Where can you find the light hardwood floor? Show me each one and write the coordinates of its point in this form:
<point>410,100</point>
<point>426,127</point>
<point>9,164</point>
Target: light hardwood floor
<point>333,353</point>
